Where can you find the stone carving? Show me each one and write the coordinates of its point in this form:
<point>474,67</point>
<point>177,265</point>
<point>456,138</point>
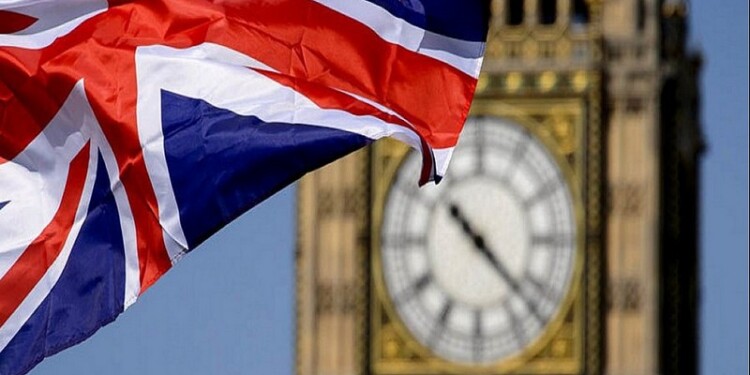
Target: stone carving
<point>624,295</point>
<point>331,298</point>
<point>626,198</point>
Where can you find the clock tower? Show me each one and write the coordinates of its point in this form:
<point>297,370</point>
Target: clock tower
<point>563,239</point>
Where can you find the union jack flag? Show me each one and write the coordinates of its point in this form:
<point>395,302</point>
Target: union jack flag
<point>130,131</point>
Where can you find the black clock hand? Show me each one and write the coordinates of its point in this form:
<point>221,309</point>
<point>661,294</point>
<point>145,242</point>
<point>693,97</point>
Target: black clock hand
<point>481,246</point>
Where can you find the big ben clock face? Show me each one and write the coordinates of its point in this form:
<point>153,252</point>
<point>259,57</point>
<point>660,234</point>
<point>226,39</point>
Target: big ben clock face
<point>477,267</point>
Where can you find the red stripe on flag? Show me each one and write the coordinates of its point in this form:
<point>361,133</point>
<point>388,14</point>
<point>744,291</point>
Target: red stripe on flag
<point>309,41</point>
<point>328,98</point>
<point>27,106</point>
<point>31,266</point>
<point>119,125</point>
<point>110,84</point>
<point>11,22</point>
<point>300,38</point>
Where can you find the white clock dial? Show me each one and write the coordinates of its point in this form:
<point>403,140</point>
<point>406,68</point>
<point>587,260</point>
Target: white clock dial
<point>477,266</point>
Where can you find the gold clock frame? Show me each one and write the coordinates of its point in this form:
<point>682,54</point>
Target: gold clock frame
<point>568,345</point>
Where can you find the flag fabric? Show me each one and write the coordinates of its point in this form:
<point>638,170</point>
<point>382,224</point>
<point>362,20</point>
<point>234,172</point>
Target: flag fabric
<point>131,131</point>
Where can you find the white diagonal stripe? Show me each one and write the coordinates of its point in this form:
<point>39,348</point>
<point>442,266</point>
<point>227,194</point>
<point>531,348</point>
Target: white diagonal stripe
<point>34,180</point>
<point>42,289</point>
<point>397,31</point>
<point>55,19</point>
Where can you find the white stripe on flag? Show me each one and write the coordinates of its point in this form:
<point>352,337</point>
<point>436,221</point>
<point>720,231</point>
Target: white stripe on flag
<point>151,80</point>
<point>55,19</point>
<point>127,223</point>
<point>397,31</point>
<point>189,73</point>
<point>48,281</point>
<point>442,159</point>
<point>34,181</point>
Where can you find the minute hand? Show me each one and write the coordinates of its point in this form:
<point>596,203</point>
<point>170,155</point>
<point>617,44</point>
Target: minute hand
<point>481,246</point>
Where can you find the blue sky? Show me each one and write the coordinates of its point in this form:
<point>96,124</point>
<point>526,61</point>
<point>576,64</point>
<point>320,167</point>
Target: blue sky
<point>228,308</point>
<point>720,29</point>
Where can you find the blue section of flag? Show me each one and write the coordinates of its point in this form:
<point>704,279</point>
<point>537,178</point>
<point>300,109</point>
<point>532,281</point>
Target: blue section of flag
<point>89,293</point>
<point>221,164</point>
<point>459,19</point>
<point>2,204</point>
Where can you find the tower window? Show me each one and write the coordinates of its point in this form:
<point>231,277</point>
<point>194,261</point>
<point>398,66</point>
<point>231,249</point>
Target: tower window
<point>547,12</point>
<point>514,12</point>
<point>641,15</point>
<point>581,15</point>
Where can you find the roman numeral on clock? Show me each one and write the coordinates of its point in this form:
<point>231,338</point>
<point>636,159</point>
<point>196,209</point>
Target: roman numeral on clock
<point>477,336</point>
<point>547,189</point>
<point>543,290</point>
<point>516,324</point>
<point>442,321</point>
<point>515,160</point>
<point>479,149</point>
<point>414,195</point>
<point>415,288</point>
<point>405,241</point>
<point>553,239</point>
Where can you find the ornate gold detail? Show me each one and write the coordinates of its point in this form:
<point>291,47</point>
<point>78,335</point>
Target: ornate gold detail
<point>579,81</point>
<point>391,347</point>
<point>561,348</point>
<point>595,244</point>
<point>394,347</point>
<point>532,47</point>
<point>563,48</point>
<point>493,49</point>
<point>560,124</point>
<point>547,81</point>
<point>513,81</point>
<point>564,131</point>
<point>530,50</point>
<point>572,83</point>
<point>482,83</point>
<point>547,50</point>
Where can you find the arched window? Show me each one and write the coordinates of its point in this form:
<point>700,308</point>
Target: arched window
<point>640,14</point>
<point>581,15</point>
<point>547,12</point>
<point>514,12</point>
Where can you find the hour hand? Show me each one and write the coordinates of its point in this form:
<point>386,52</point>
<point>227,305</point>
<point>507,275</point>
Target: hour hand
<point>468,230</point>
<point>481,246</point>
